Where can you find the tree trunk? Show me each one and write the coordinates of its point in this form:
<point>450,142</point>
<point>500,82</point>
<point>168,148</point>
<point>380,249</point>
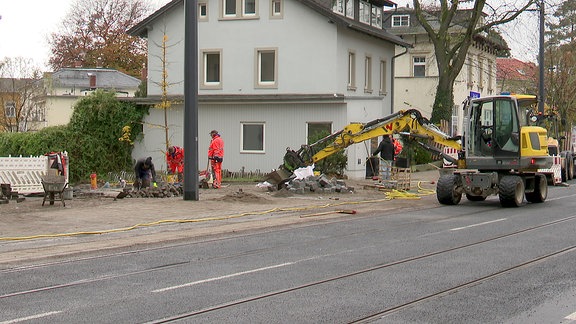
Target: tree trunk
<point>444,100</point>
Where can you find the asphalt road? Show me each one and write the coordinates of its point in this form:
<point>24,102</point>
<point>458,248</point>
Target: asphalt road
<point>472,263</point>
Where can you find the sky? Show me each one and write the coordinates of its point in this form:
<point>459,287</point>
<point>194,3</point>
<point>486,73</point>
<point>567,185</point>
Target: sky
<point>26,24</point>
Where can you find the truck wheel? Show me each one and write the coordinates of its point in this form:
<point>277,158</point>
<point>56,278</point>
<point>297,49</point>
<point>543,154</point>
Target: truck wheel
<point>564,170</point>
<point>511,191</point>
<point>540,190</point>
<point>570,167</point>
<point>447,189</point>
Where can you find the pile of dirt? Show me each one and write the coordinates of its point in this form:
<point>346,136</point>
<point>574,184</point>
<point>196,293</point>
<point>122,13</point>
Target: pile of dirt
<point>242,196</point>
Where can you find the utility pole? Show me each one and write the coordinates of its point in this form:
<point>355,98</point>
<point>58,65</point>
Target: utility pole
<point>191,185</point>
<point>541,90</point>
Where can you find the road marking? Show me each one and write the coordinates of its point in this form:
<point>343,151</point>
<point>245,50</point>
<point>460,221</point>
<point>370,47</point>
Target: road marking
<point>558,198</point>
<point>22,319</point>
<point>248,272</point>
<point>469,226</point>
<point>571,317</point>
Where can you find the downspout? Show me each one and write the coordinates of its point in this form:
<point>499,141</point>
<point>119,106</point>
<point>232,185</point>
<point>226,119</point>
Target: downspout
<point>392,65</point>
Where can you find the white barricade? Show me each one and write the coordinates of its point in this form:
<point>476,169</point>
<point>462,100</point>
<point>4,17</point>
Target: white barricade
<point>555,171</point>
<point>24,174</point>
<point>452,152</point>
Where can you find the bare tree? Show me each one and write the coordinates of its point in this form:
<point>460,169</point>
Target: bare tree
<point>165,103</point>
<point>94,34</point>
<point>452,32</point>
<point>21,95</point>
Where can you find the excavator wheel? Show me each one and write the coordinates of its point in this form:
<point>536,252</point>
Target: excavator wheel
<point>540,192</point>
<point>511,191</point>
<point>447,189</point>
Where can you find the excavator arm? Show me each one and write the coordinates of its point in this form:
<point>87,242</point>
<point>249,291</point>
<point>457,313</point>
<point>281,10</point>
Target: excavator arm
<point>409,123</point>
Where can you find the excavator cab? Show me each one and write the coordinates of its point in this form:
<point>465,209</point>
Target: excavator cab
<point>500,137</point>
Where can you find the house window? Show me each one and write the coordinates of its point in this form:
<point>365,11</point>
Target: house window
<point>490,81</point>
<point>480,73</point>
<point>350,9</point>
<point>252,137</point>
<point>10,109</point>
<point>249,7</point>
<point>351,71</point>
<point>470,74</point>
<point>382,77</point>
<point>276,8</point>
<point>376,17</point>
<point>229,7</point>
<point>364,12</point>
<point>239,8</point>
<point>211,69</point>
<point>202,11</point>
<point>343,7</point>
<point>318,130</point>
<point>368,74</point>
<point>338,6</point>
<point>419,66</point>
<point>267,68</point>
<point>400,20</point>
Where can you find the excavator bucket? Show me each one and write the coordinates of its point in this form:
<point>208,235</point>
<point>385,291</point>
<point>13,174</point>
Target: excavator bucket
<point>278,177</point>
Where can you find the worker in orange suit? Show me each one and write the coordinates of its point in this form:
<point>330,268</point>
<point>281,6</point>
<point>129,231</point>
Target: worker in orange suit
<point>397,147</point>
<point>216,156</point>
<point>175,161</point>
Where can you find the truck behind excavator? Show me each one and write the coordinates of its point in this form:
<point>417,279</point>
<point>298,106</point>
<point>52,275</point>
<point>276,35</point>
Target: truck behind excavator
<point>499,153</point>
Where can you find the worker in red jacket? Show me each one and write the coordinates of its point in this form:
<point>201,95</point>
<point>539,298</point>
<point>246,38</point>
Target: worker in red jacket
<point>397,147</point>
<point>216,156</point>
<point>175,161</point>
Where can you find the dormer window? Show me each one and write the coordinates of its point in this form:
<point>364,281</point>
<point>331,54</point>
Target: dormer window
<point>400,20</point>
<point>370,14</point>
<point>343,7</point>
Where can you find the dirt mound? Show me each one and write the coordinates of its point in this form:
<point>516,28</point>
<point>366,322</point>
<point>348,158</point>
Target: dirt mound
<point>242,196</point>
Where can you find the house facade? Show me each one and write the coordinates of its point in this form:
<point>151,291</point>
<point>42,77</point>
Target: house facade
<point>270,73</point>
<point>22,105</point>
<point>416,72</point>
<point>68,85</point>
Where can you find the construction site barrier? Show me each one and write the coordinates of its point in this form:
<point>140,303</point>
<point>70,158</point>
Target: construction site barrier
<point>24,174</point>
<point>450,152</point>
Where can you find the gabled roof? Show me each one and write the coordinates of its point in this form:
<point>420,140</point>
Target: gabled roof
<point>323,7</point>
<point>514,69</point>
<point>105,78</point>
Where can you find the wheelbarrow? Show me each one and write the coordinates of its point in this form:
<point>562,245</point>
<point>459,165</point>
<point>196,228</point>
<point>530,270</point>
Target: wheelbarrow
<point>54,187</point>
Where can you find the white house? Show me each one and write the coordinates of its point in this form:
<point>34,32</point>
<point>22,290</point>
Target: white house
<point>67,85</point>
<point>416,72</point>
<point>270,73</point>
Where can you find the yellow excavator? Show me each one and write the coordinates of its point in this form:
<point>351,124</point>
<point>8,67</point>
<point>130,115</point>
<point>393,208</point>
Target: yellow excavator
<point>499,153</point>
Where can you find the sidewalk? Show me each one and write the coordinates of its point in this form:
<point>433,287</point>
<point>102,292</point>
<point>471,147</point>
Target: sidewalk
<point>32,232</point>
